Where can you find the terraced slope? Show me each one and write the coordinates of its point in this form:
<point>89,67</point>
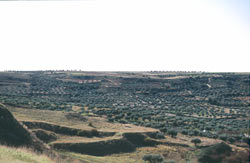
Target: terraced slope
<point>88,136</point>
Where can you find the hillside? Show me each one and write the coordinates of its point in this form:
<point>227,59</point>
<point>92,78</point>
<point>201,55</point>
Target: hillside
<point>70,137</point>
<point>20,145</point>
<point>124,116</point>
<point>215,102</point>
<point>12,133</point>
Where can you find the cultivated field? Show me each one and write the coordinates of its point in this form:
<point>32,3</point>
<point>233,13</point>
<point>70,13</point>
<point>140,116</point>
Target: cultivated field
<point>127,116</point>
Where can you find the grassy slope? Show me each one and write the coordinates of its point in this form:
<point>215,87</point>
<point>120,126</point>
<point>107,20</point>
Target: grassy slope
<point>170,152</point>
<point>21,155</point>
<point>106,159</point>
<point>59,118</point>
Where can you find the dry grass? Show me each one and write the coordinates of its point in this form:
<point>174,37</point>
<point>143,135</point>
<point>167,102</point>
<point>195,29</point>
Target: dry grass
<point>59,118</point>
<point>178,153</point>
<point>21,155</point>
<point>77,139</point>
<point>54,117</point>
<point>105,159</point>
<point>76,108</point>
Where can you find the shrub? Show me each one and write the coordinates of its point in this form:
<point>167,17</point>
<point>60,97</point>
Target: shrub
<point>153,158</point>
<point>160,135</point>
<point>231,139</point>
<point>184,132</point>
<point>246,140</point>
<point>173,133</point>
<point>223,137</point>
<point>196,141</point>
<point>214,153</point>
<point>90,124</point>
<point>196,132</point>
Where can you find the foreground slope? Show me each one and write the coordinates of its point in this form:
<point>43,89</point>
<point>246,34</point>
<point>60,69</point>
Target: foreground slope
<point>18,144</point>
<point>12,133</point>
<point>21,155</point>
<point>83,134</point>
<point>95,140</point>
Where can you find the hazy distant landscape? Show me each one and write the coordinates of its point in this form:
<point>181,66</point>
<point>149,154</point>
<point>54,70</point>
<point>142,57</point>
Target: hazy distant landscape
<point>132,116</point>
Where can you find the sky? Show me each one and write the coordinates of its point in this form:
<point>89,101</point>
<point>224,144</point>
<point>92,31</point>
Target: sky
<point>125,35</point>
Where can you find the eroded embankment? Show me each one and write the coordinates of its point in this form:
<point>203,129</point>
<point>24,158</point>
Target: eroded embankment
<point>99,148</point>
<point>91,142</point>
<point>128,142</point>
<point>13,133</point>
<point>66,130</point>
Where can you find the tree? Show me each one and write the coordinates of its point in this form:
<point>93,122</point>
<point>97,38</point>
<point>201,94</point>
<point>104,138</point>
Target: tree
<point>173,133</point>
<point>231,139</point>
<point>223,137</point>
<point>196,141</point>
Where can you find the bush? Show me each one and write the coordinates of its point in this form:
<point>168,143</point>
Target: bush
<point>246,140</point>
<point>223,137</point>
<point>160,135</point>
<point>184,132</point>
<point>173,133</point>
<point>196,132</point>
<point>231,139</point>
<point>153,158</point>
<point>214,153</point>
<point>196,141</point>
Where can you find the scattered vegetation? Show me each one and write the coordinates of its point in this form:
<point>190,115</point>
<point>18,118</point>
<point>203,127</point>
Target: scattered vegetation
<point>153,158</point>
<point>210,106</point>
<point>196,104</point>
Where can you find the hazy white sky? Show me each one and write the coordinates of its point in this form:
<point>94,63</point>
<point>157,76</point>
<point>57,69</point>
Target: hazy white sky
<point>120,35</point>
